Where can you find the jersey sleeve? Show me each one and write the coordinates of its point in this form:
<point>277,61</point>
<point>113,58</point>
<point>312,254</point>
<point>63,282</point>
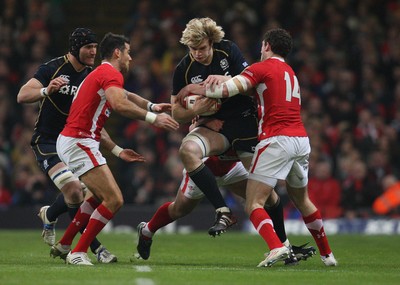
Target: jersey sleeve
<point>116,80</point>
<point>44,74</point>
<point>236,60</point>
<point>178,81</point>
<point>253,73</point>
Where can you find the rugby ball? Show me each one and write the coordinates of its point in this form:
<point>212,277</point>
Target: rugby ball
<point>191,99</point>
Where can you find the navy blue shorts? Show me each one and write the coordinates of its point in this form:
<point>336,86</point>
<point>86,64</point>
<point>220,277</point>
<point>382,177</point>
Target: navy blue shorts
<point>44,148</point>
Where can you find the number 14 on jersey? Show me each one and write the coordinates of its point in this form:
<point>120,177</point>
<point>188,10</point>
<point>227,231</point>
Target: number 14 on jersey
<point>295,92</point>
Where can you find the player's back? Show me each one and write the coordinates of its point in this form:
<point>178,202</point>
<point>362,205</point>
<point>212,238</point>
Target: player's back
<point>278,97</point>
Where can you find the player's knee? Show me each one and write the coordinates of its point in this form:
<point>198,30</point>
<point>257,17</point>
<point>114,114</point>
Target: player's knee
<point>114,202</point>
<point>73,192</point>
<point>194,145</point>
<point>188,149</point>
<point>249,208</point>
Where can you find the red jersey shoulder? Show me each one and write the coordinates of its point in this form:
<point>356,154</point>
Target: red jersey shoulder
<point>257,71</point>
<point>109,76</point>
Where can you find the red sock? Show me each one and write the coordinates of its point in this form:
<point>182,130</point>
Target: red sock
<point>80,220</point>
<point>264,226</point>
<point>97,221</point>
<point>316,228</point>
<point>161,218</point>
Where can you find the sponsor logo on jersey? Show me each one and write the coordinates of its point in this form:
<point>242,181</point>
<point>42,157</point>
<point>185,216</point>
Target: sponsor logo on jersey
<point>65,77</point>
<point>65,89</point>
<point>196,79</point>
<point>45,164</point>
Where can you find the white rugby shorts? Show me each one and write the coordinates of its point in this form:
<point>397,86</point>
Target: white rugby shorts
<point>79,154</point>
<point>281,158</point>
<point>235,174</point>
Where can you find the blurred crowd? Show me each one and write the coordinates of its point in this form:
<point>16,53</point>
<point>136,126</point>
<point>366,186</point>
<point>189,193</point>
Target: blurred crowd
<point>346,55</point>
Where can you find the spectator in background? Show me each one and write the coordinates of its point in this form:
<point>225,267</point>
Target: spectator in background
<point>325,190</point>
<point>389,202</point>
<point>359,191</point>
<point>5,192</point>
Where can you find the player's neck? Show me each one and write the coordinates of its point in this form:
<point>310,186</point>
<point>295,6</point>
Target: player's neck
<point>112,62</point>
<point>75,63</point>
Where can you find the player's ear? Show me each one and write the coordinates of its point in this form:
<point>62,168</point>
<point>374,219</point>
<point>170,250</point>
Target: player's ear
<point>117,52</point>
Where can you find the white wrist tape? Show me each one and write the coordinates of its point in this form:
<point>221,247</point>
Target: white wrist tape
<point>150,117</point>
<point>43,92</point>
<point>117,150</point>
<point>231,87</point>
<point>216,93</point>
<point>242,81</point>
<point>150,106</point>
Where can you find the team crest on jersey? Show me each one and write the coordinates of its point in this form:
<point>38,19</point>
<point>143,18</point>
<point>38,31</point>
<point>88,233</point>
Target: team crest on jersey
<point>196,79</point>
<point>224,64</point>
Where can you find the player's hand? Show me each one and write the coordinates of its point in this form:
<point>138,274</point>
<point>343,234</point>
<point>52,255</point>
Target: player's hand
<point>129,155</point>
<point>184,92</point>
<point>203,104</point>
<point>166,122</point>
<point>161,107</point>
<point>56,84</point>
<point>215,79</point>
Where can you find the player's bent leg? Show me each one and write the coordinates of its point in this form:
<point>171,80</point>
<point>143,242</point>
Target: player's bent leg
<point>166,214</point>
<point>103,185</point>
<point>313,220</point>
<point>182,206</point>
<point>69,185</point>
<point>199,143</point>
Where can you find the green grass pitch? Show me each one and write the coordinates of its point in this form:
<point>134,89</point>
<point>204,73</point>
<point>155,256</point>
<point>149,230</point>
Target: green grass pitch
<point>199,259</point>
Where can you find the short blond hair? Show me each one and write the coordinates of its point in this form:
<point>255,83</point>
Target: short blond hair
<point>199,29</point>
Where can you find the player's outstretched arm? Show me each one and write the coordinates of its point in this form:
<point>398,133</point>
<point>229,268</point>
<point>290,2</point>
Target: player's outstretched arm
<point>126,154</point>
<point>146,104</point>
<point>33,90</point>
<point>118,100</point>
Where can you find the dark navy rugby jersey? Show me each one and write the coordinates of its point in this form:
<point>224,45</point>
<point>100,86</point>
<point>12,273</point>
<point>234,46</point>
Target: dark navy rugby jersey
<point>227,60</point>
<point>54,108</point>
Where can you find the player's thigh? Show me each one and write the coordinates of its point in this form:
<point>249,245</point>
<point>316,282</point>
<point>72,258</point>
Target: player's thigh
<point>213,142</point>
<point>45,153</point>
<point>257,194</point>
<point>238,188</point>
<point>241,132</point>
<point>102,184</point>
<point>271,160</point>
